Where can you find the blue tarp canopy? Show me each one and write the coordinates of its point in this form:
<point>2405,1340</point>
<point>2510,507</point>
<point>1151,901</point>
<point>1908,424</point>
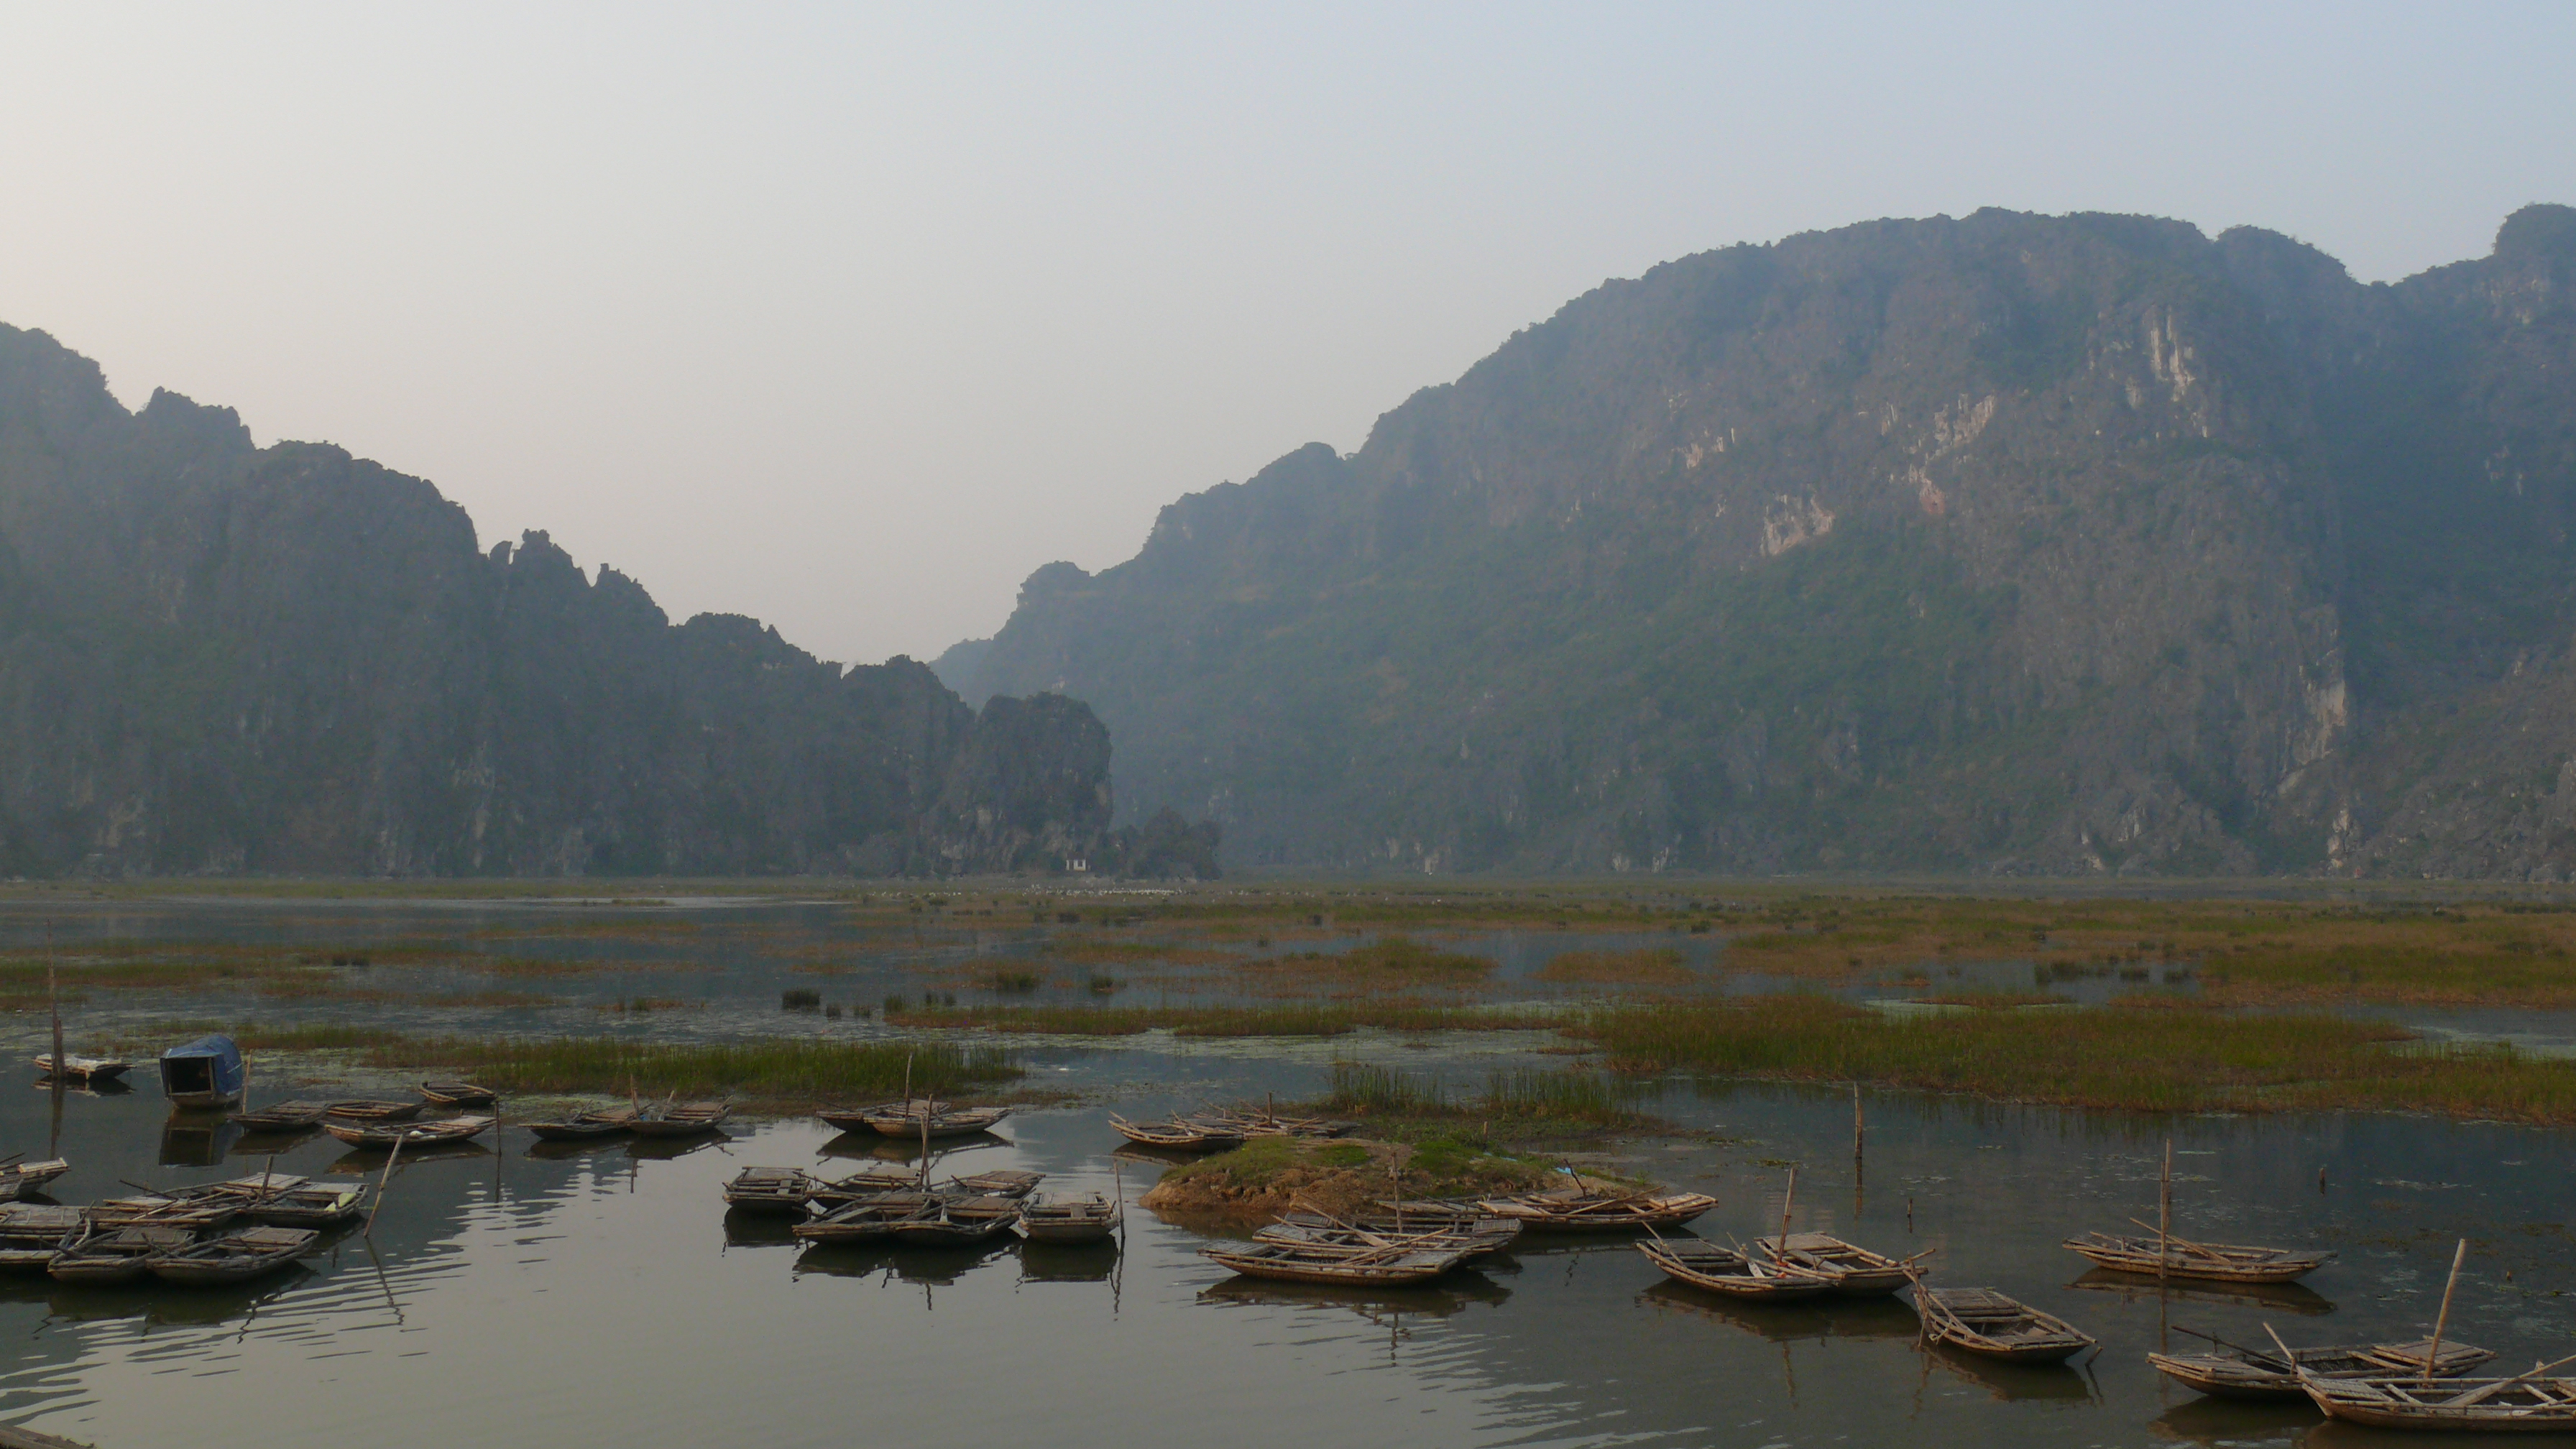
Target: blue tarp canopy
<point>208,1064</point>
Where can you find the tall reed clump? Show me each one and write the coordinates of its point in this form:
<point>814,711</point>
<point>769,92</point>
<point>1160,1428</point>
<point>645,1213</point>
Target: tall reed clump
<point>1566,1094</point>
<point>2152,1054</point>
<point>1374,1091</point>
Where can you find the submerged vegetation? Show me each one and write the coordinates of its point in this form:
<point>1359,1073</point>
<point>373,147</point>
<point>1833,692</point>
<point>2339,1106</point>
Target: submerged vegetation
<point>797,1071</point>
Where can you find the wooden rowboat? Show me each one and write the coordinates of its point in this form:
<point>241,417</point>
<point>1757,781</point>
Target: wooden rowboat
<point>1006,1182</point>
<point>2210,1262</point>
<point>1269,1124</point>
<point>200,1213</point>
<point>783,1191</point>
<point>866,1185</point>
<point>1068,1219</point>
<point>21,1178</point>
<point>605,1122</point>
<point>284,1117</point>
<point>2525,1403</point>
<point>1720,1269</point>
<point>1588,1210</point>
<point>101,1254</point>
<point>321,1204</point>
<point>31,1233</point>
<point>685,1119</point>
<point>1854,1272</point>
<point>1981,1320</point>
<point>1180,1134</point>
<point>78,1068</point>
<point>1395,1265</point>
<point>232,1258</point>
<point>459,1094</point>
<point>869,1220</point>
<point>375,1110</point>
<point>911,1126</point>
<point>1475,1239</point>
<point>957,1222</point>
<point>856,1119</point>
<point>410,1134</point>
<point>2245,1373</point>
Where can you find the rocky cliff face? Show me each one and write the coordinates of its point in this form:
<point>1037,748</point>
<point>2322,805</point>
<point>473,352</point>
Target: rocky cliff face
<point>215,658</point>
<point>2006,543</point>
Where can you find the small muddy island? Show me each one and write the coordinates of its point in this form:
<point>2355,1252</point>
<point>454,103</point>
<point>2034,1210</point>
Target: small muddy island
<point>1682,1164</point>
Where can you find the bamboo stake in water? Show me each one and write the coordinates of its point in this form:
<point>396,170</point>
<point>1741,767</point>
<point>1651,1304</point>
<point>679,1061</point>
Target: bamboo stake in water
<point>54,996</point>
<point>1858,1137</point>
<point>2459,1255</point>
<point>2164,1215</point>
<point>1787,1198</point>
<point>384,1182</point>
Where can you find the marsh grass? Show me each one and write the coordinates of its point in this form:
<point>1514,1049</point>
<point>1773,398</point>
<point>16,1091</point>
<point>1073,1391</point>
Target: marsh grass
<point>1329,1018</point>
<point>1659,966</point>
<point>1519,1099</point>
<point>2154,1054</point>
<point>794,1070</point>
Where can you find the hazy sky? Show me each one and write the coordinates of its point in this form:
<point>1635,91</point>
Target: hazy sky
<point>848,317</point>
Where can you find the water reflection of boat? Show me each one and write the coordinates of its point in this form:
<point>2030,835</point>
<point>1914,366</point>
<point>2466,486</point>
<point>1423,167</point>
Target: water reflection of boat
<point>936,1266</point>
<point>664,1149</point>
<point>366,1161</point>
<point>2012,1381</point>
<point>1825,1317</point>
<point>1450,1295</point>
<point>193,1140</point>
<point>2218,1422</point>
<point>758,1230</point>
<point>2278,1297</point>
<point>859,1146</point>
<point>1045,1262</point>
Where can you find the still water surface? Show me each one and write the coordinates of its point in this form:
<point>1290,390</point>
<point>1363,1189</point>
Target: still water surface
<point>518,1294</point>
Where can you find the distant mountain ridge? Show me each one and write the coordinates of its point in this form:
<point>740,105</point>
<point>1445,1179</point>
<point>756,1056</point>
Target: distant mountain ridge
<point>2005,543</point>
<point>220,659</point>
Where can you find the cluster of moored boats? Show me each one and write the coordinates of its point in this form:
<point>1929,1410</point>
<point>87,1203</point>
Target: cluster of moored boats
<point>216,1233</point>
<point>885,1204</point>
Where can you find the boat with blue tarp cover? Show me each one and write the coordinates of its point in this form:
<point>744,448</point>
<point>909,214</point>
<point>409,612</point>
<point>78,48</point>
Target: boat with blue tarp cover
<point>206,1072</point>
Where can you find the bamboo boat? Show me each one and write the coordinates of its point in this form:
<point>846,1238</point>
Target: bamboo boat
<point>912,1125</point>
<point>248,1191</point>
<point>1983,1321</point>
<point>1269,1124</point>
<point>2238,1372</point>
<point>1006,1182</point>
<point>2208,1262</point>
<point>1588,1210</point>
<point>778,1190</point>
<point>867,1185</point>
<point>2526,1403</point>
<point>374,1110</point>
<point>31,1233</point>
<point>868,1220</point>
<point>604,1122</point>
<point>1475,1239</point>
<point>232,1258</point>
<point>459,1094</point>
<point>957,1222</point>
<point>21,1178</point>
<point>1180,1134</point>
<point>379,1135</point>
<point>101,1254</point>
<point>1087,1219</point>
<point>322,1204</point>
<point>284,1117</point>
<point>202,1213</point>
<point>856,1119</point>
<point>685,1119</point>
<point>1721,1269</point>
<point>1854,1271</point>
<point>1399,1263</point>
<point>78,1068</point>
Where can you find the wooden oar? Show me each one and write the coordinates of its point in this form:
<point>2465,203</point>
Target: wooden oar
<point>2203,1249</point>
<point>2480,1395</point>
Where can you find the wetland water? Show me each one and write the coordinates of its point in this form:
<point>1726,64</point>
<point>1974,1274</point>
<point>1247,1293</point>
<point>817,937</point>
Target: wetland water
<point>517,1295</point>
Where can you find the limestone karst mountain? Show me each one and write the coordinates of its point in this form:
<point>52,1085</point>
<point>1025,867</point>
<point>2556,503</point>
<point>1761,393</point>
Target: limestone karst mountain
<point>2003,543</point>
<point>216,658</point>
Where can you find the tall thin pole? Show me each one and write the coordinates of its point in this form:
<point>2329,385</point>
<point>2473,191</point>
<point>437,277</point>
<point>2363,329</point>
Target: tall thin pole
<point>2164,1215</point>
<point>54,996</point>
<point>2459,1255</point>
<point>1787,1198</point>
<point>384,1182</point>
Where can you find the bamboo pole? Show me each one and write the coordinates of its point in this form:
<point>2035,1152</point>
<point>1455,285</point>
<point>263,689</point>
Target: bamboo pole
<point>1858,1135</point>
<point>2459,1255</point>
<point>384,1182</point>
<point>2164,1215</point>
<point>54,998</point>
<point>1786,1199</point>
